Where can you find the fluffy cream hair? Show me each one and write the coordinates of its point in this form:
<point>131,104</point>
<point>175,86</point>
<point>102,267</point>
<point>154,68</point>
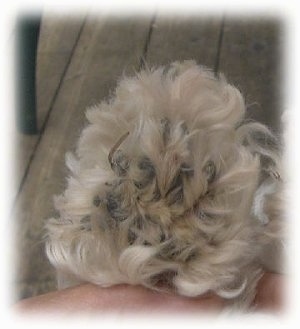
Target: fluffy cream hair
<point>170,188</point>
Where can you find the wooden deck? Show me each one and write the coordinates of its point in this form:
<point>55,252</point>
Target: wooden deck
<point>79,61</point>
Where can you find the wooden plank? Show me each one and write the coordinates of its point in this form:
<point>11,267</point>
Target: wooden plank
<point>184,37</point>
<point>251,60</point>
<point>24,148</point>
<point>57,39</point>
<point>105,48</point>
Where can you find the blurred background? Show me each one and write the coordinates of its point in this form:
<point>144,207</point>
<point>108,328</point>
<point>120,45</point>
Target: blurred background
<point>66,63</point>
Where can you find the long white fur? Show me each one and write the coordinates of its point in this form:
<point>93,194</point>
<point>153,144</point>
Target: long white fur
<point>262,192</point>
<point>182,202</point>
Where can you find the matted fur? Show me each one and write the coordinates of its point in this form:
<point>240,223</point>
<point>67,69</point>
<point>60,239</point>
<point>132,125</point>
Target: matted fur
<point>171,190</point>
